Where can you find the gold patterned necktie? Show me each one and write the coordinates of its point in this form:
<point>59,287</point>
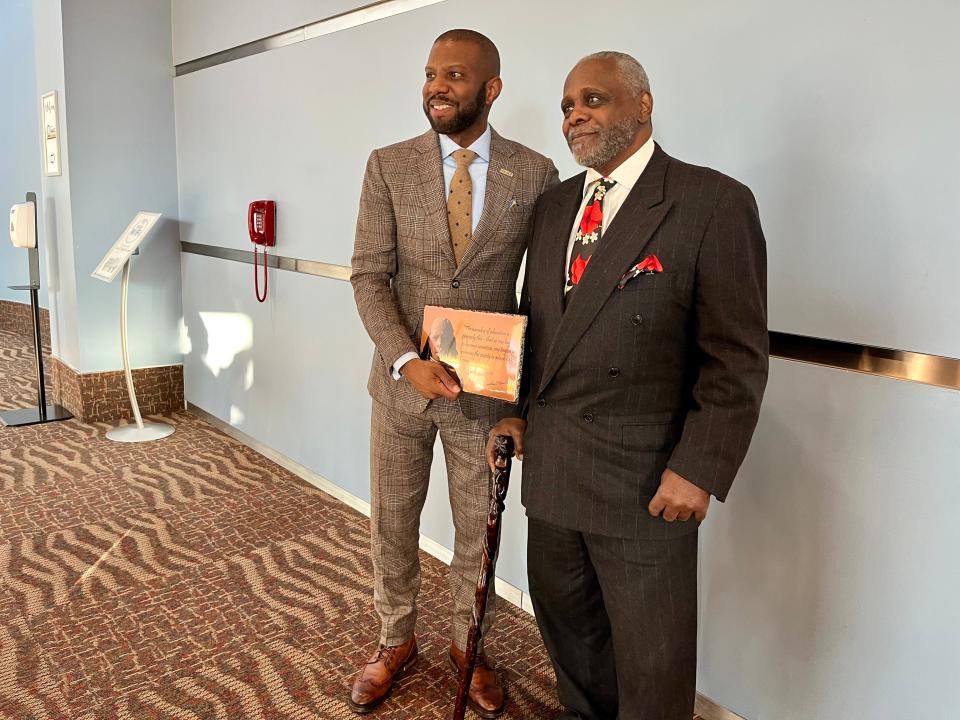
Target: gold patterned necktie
<point>460,203</point>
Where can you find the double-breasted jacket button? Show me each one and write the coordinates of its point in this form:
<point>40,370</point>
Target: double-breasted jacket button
<point>455,284</point>
<point>588,416</point>
<point>614,372</point>
<point>541,402</point>
<point>637,319</point>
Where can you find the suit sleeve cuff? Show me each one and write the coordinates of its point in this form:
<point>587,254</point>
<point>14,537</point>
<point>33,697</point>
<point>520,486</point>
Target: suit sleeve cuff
<point>400,362</point>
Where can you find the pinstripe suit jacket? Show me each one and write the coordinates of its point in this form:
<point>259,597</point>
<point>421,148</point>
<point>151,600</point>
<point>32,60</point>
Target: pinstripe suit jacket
<point>403,256</point>
<point>668,371</point>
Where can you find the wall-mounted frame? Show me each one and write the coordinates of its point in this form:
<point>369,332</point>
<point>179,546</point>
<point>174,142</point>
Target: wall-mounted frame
<point>50,119</point>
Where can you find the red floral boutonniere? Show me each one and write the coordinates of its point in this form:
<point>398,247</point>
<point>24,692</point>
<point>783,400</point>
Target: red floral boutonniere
<point>650,265</point>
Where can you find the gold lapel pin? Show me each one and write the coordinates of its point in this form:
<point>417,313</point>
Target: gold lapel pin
<point>506,172</point>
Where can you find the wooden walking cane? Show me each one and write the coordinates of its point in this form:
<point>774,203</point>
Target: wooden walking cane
<point>488,562</point>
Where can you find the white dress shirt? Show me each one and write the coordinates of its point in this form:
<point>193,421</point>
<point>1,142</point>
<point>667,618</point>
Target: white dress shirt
<point>626,176</point>
<point>478,176</point>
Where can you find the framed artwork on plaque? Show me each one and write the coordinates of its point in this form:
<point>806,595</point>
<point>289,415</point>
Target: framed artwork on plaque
<point>50,119</point>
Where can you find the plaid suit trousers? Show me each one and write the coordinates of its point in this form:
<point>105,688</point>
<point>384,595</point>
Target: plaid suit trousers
<point>401,456</point>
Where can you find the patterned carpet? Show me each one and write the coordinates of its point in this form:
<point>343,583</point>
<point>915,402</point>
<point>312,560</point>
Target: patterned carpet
<point>193,578</point>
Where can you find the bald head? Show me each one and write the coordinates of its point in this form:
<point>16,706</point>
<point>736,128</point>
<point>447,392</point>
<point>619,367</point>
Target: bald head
<point>462,81</point>
<point>488,56</point>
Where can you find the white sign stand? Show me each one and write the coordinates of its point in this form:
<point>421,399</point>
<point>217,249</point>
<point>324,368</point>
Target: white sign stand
<point>119,256</point>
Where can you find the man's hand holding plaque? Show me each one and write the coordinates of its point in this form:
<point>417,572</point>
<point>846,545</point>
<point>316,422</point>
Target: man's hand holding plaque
<point>432,379</point>
<point>481,352</point>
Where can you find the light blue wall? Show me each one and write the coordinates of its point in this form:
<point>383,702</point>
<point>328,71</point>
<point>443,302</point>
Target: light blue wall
<point>111,64</point>
<point>202,27</point>
<point>826,578</point>
<point>829,579</point>
<point>855,182</point>
<point>119,79</point>
<point>20,155</point>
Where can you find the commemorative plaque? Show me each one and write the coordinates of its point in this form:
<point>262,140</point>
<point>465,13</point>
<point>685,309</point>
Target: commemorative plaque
<point>484,349</point>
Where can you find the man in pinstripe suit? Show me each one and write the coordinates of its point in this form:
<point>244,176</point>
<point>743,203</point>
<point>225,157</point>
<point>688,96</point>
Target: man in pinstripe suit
<point>444,220</point>
<point>647,360</point>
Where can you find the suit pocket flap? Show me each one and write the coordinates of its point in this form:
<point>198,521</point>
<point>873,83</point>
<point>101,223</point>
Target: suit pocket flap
<point>648,436</point>
<point>661,280</point>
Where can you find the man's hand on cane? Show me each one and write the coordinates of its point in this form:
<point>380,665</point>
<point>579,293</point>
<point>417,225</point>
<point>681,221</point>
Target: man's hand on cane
<point>512,427</point>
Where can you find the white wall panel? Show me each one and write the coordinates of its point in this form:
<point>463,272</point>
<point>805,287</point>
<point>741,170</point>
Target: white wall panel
<point>202,27</point>
<point>829,579</point>
<point>292,374</point>
<point>849,151</point>
<point>20,154</point>
<point>822,597</point>
<point>122,161</point>
<point>55,195</point>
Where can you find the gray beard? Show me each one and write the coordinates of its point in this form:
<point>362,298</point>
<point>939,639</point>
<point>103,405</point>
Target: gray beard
<point>609,143</point>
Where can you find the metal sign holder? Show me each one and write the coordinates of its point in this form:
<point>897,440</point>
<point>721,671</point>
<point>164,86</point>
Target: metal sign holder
<point>141,432</point>
<point>121,253</point>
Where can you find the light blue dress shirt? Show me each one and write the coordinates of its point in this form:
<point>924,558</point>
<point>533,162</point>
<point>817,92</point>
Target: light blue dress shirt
<point>478,176</point>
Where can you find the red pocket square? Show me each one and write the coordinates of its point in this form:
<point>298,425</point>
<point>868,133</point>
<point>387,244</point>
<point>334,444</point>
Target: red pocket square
<point>650,265</point>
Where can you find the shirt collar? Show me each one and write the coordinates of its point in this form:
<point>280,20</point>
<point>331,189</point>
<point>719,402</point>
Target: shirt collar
<point>627,172</point>
<point>481,146</point>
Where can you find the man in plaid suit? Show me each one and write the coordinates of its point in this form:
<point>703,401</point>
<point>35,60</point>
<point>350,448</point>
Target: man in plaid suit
<point>444,220</point>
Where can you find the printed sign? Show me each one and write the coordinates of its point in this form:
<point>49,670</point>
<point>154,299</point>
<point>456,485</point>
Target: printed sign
<point>123,248</point>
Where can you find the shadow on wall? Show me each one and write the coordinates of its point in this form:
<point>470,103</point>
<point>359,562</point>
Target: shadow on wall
<point>50,242</point>
<point>223,342</point>
<point>51,246</point>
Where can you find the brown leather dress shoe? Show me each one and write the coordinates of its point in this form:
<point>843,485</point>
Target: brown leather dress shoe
<point>372,684</point>
<point>488,697</point>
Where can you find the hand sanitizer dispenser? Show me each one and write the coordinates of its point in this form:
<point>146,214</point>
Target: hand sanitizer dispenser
<point>23,234</point>
<point>23,225</point>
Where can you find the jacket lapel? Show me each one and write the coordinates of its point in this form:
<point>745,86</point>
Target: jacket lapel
<point>501,181</point>
<point>636,221</point>
<point>432,192</point>
<point>556,231</point>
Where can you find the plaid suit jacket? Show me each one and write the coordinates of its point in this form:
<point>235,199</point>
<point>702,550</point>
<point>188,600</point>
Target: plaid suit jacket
<point>403,255</point>
<point>668,371</point>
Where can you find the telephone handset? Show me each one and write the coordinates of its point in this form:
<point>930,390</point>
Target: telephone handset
<point>262,226</point>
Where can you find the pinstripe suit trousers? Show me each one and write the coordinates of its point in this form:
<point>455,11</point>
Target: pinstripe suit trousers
<point>619,618</point>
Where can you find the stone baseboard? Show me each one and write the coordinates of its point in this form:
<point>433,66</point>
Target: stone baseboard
<point>102,397</point>
<point>16,318</point>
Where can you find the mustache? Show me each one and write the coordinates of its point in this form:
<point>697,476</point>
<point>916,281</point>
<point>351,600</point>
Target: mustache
<point>444,98</point>
<point>574,134</point>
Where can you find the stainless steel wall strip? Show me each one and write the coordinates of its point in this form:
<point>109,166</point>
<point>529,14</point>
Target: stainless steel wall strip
<point>897,364</point>
<point>342,21</point>
<point>255,47</point>
<point>307,267</point>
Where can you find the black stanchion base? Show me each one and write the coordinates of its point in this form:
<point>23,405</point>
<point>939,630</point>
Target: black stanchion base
<point>31,416</point>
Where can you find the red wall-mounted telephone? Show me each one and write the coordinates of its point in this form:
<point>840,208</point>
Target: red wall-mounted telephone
<point>262,226</point>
